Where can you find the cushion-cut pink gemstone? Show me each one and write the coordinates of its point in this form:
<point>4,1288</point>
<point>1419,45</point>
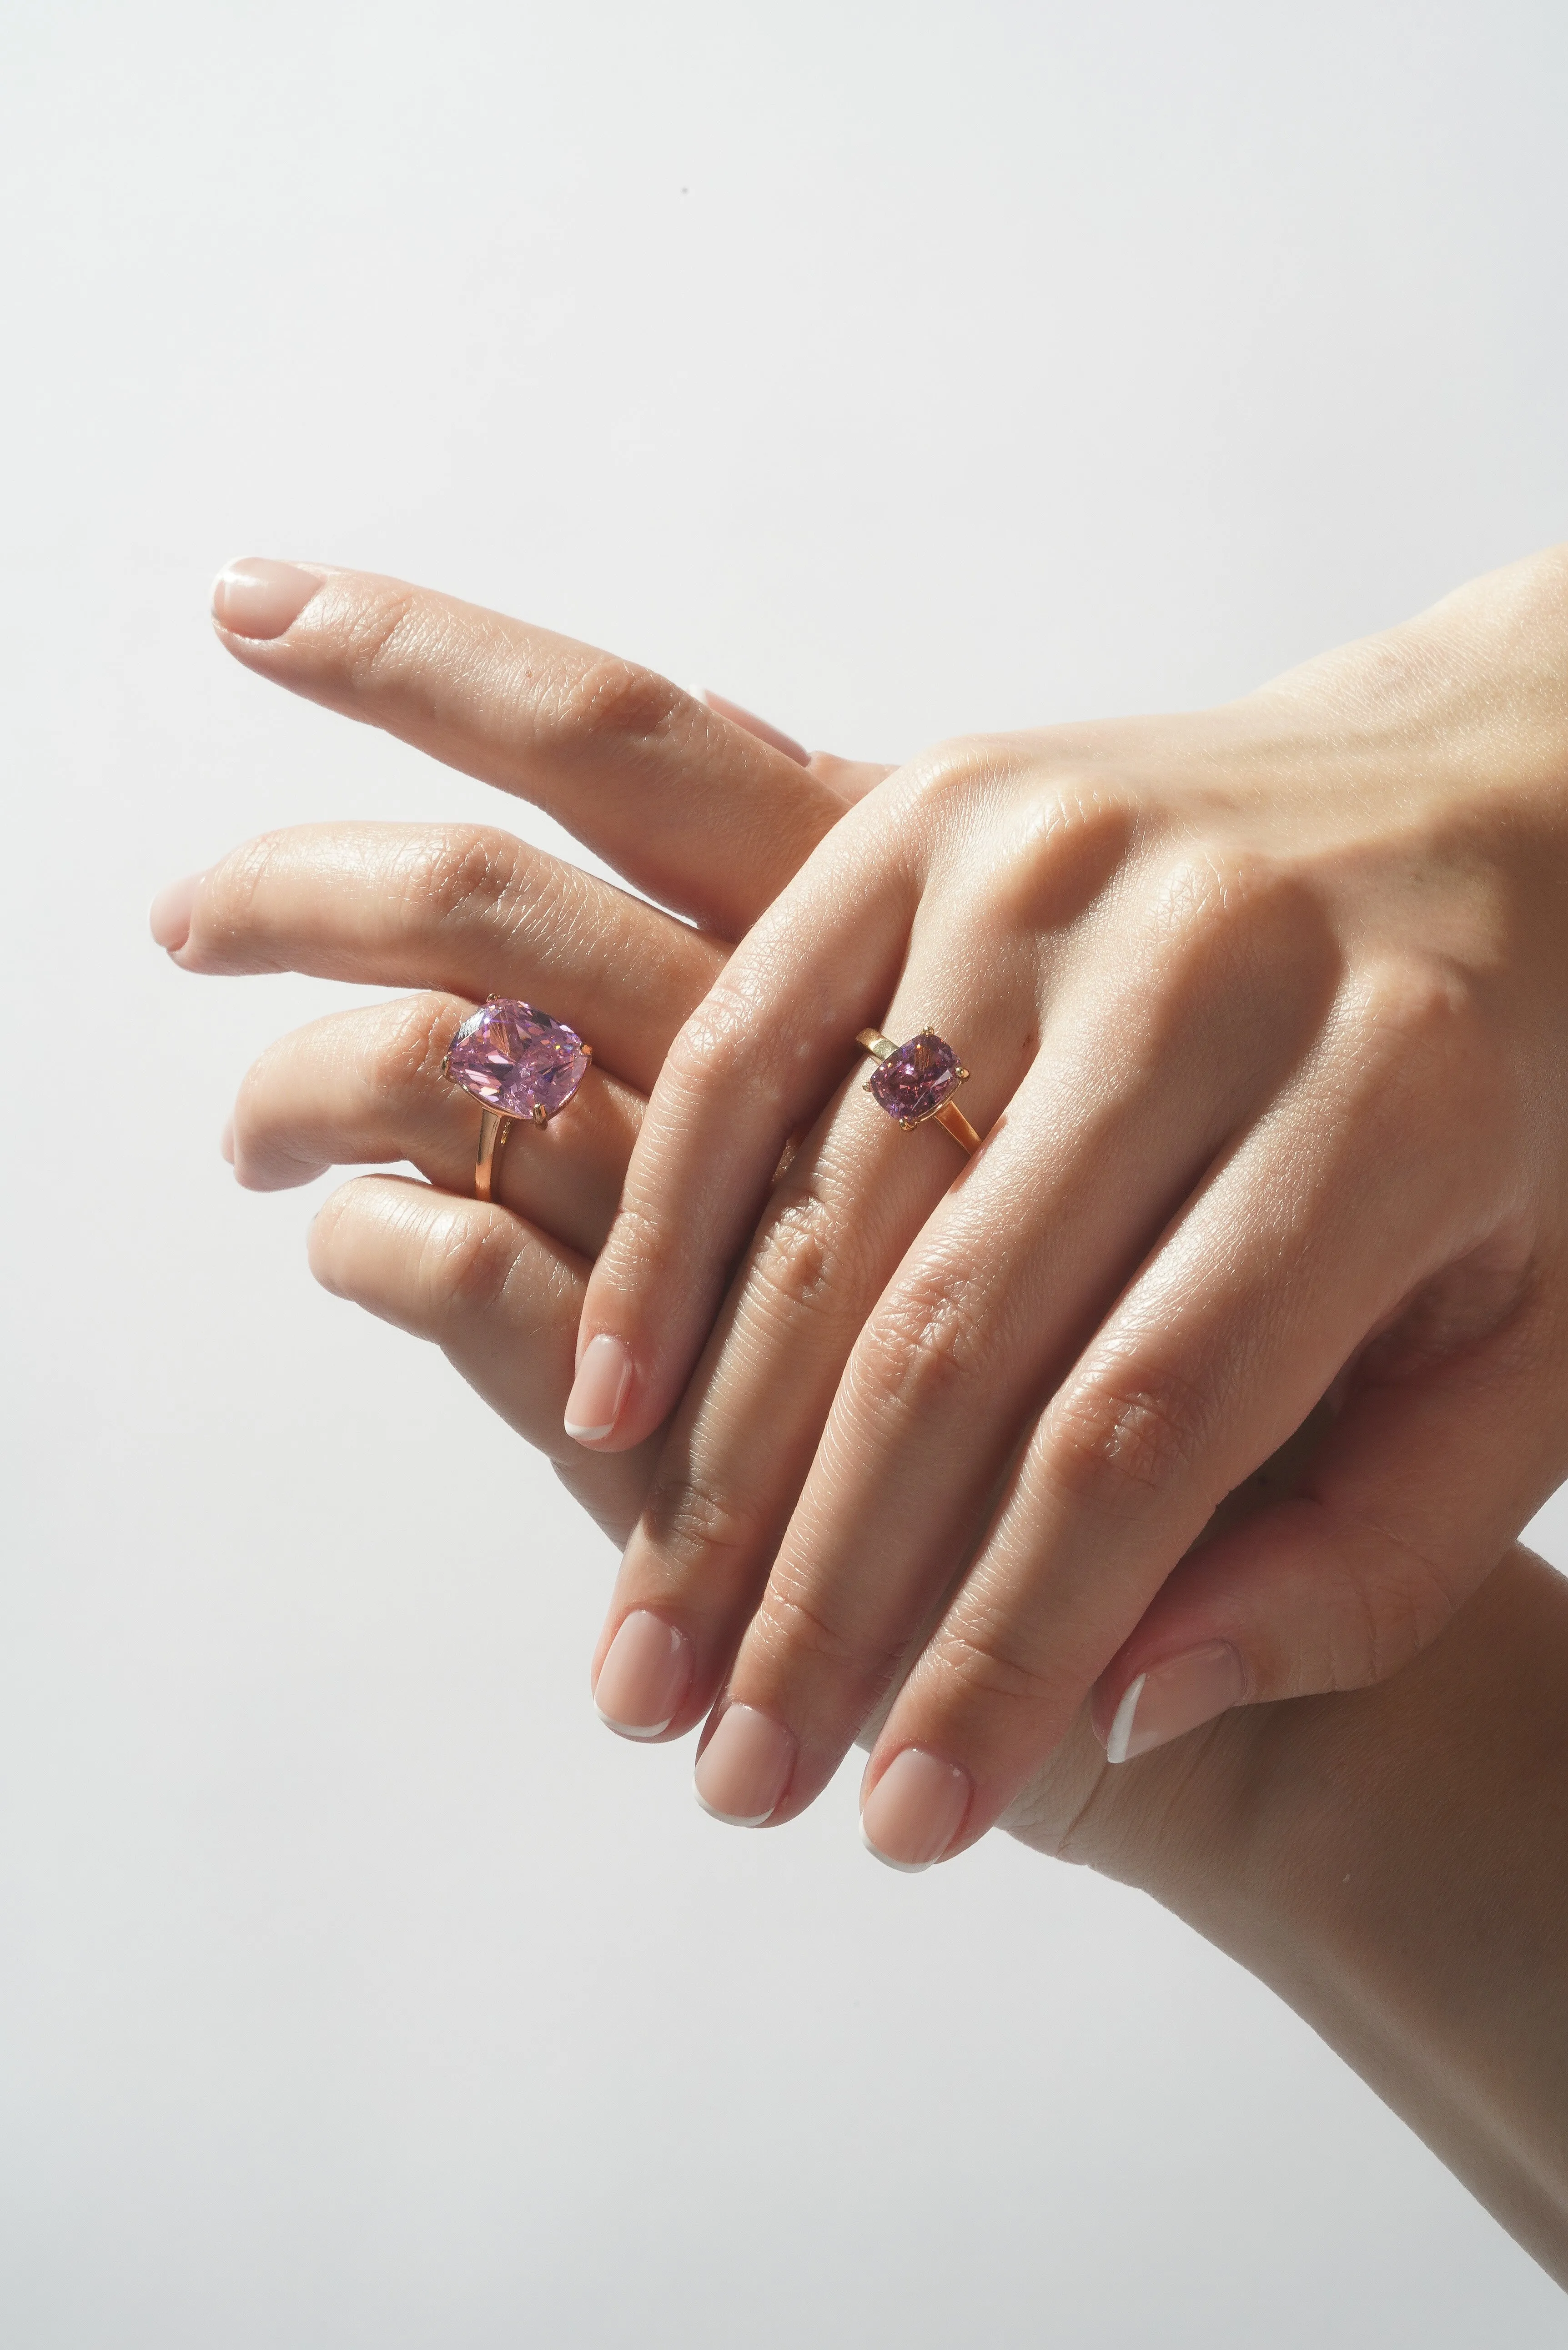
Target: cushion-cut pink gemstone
<point>917,1079</point>
<point>516,1059</point>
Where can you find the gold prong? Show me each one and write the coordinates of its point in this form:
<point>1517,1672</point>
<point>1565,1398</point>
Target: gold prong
<point>540,1115</point>
<point>587,1052</point>
<point>446,1064</point>
<point>963,1077</point>
<point>492,999</point>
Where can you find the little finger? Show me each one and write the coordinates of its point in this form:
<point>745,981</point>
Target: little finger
<point>500,1299</point>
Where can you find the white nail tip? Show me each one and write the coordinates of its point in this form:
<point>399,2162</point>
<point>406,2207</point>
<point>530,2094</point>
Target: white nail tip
<point>904,1868</point>
<point>1120,1739</point>
<point>586,1435</point>
<point>731,1819</point>
<point>625,1730</point>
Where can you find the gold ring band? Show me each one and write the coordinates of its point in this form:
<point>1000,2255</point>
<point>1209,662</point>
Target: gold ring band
<point>494,1129</point>
<point>921,1076</point>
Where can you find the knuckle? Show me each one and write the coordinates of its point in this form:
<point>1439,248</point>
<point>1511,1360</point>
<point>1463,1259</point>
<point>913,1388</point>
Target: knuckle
<point>1122,1435</point>
<point>228,908</point>
<point>1421,1031</point>
<point>716,1047</point>
<point>616,701</point>
<point>1389,1617</point>
<point>921,1348</point>
<point>380,628</point>
<point>946,777</point>
<point>464,1265</point>
<point>795,1256</point>
<point>697,1525</point>
<point>1215,902</point>
<point>981,1662</point>
<point>786,1621</point>
<point>1062,857</point>
<point>1420,1008</point>
<point>461,872</point>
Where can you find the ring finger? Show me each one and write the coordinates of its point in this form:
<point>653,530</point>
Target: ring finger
<point>366,1088</point>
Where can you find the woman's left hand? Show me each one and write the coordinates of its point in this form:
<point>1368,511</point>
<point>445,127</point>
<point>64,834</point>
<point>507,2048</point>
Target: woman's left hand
<point>1265,1012</point>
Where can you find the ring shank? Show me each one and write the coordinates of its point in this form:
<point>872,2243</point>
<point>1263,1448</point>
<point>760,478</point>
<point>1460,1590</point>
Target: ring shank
<point>958,1126</point>
<point>494,1129</point>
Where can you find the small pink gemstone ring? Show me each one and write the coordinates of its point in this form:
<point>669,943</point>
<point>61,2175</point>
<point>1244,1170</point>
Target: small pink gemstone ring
<point>518,1063</point>
<point>916,1081</point>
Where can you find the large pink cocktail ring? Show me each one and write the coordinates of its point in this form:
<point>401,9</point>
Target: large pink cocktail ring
<point>519,1063</point>
<point>916,1081</point>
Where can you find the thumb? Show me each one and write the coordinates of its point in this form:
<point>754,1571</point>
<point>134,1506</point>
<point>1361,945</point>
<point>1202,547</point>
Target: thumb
<point>1413,1495</point>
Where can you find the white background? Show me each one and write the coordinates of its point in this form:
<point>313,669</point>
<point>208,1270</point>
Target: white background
<point>896,369</point>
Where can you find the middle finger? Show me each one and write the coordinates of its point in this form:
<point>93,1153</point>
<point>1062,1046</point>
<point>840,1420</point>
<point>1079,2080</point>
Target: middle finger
<point>463,908</point>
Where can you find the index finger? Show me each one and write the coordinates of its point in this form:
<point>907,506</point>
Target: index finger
<point>696,811</point>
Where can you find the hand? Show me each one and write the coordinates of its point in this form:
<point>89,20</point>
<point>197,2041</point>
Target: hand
<point>1264,1008</point>
<point>456,911</point>
<point>1376,1859</point>
<point>698,800</point>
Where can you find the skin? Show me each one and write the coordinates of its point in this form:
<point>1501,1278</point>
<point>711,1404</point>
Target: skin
<point>1375,1858</point>
<point>1265,1007</point>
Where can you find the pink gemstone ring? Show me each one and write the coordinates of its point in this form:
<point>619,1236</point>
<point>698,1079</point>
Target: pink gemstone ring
<point>916,1081</point>
<point>518,1063</point>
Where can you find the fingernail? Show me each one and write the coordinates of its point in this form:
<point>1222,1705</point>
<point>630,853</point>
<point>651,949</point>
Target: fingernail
<point>226,1141</point>
<point>169,915</point>
<point>599,1390</point>
<point>741,1771</point>
<point>1174,1697</point>
<point>646,1673</point>
<point>259,598</point>
<point>915,1810</point>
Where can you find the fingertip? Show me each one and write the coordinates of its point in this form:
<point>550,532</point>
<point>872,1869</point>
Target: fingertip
<point>1177,1694</point>
<point>259,598</point>
<point>599,1390</point>
<point>915,1810</point>
<point>169,915</point>
<point>226,1141</point>
<point>1118,1731</point>
<point>319,1236</point>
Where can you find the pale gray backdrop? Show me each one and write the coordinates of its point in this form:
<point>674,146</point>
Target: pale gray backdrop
<point>896,369</point>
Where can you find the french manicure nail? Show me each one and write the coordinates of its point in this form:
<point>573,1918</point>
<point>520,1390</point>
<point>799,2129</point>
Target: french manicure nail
<point>259,598</point>
<point>915,1810</point>
<point>169,915</point>
<point>646,1673</point>
<point>599,1390</point>
<point>742,1771</point>
<point>1175,1697</point>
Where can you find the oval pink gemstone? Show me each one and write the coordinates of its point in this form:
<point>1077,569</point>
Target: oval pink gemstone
<point>917,1079</point>
<point>517,1059</point>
